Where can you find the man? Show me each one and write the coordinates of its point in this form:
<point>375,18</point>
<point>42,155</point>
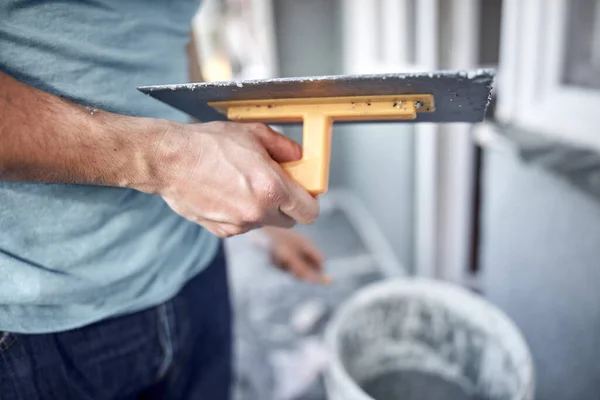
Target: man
<point>112,273</point>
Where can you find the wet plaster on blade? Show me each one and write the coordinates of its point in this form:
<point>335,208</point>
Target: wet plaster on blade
<point>460,96</point>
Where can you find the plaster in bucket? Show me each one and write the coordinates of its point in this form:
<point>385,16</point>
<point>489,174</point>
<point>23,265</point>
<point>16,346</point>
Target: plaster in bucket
<point>416,339</point>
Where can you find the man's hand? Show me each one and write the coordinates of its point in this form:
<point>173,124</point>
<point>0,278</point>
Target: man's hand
<point>225,176</point>
<point>296,254</point>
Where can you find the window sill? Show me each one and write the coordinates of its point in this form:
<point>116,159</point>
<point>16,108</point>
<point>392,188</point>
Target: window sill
<point>578,165</point>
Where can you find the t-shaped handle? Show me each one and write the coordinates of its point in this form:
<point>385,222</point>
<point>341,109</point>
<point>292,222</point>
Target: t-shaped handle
<point>317,116</point>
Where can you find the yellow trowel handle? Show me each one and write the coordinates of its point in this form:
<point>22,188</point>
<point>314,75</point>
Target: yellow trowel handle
<point>312,171</point>
<point>317,116</point>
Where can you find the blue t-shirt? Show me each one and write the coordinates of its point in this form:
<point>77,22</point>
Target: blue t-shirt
<point>71,255</point>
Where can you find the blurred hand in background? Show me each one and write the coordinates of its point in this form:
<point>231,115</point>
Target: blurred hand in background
<point>295,253</point>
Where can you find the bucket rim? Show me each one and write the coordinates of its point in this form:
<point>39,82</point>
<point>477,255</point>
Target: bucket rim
<point>502,326</point>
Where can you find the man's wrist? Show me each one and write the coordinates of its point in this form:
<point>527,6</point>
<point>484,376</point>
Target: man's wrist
<point>154,152</point>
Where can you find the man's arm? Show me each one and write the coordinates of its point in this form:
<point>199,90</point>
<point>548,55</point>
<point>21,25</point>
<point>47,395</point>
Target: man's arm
<point>223,176</point>
<point>44,138</point>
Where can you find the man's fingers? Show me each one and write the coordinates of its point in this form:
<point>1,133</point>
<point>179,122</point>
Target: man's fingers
<point>299,204</point>
<point>280,148</point>
<point>225,230</point>
<point>278,219</point>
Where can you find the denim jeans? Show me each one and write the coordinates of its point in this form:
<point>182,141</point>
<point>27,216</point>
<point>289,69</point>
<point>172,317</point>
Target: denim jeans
<point>178,350</point>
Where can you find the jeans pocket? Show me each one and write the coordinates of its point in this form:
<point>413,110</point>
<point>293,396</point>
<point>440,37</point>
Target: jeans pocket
<point>7,339</point>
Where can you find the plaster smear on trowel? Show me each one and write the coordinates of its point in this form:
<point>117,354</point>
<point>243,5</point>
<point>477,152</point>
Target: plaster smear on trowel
<point>468,74</point>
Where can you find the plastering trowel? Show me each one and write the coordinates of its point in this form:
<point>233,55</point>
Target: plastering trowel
<point>446,96</point>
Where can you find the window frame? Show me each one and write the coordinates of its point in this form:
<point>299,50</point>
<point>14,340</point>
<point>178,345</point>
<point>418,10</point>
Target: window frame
<point>531,94</point>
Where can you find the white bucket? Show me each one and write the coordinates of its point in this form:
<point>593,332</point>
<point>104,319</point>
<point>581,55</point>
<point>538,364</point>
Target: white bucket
<point>412,339</point>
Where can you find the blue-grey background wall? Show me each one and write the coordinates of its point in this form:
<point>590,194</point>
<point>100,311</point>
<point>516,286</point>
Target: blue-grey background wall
<point>540,259</point>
